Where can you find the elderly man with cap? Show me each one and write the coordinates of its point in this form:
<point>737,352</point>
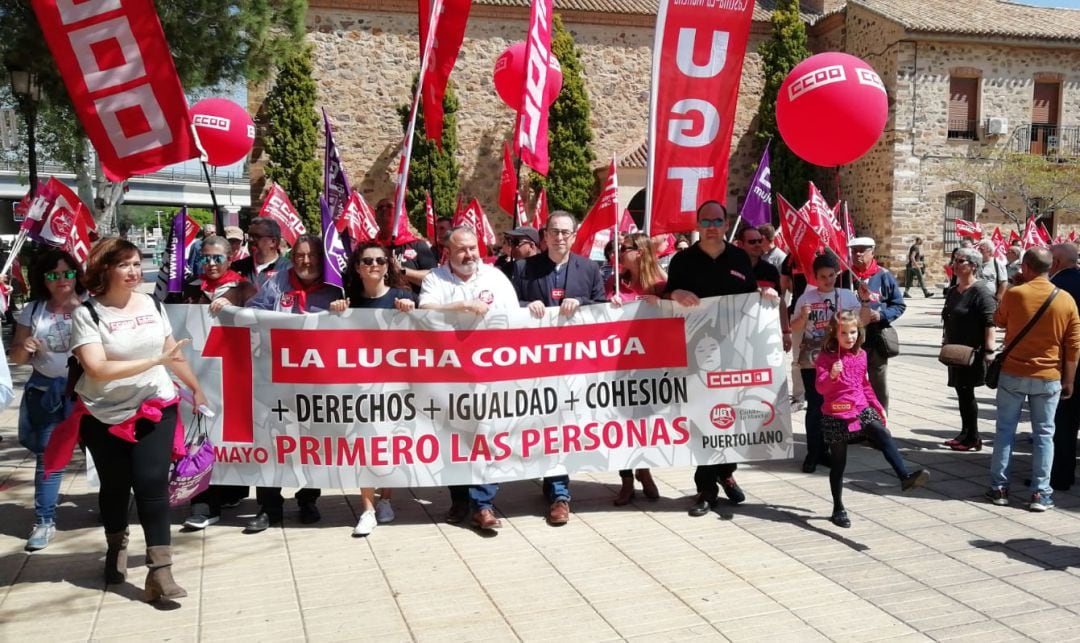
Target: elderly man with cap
<point>882,303</point>
<point>524,242</point>
<point>235,236</point>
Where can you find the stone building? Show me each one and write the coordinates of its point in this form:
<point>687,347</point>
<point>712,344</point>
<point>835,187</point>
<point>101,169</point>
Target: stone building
<point>949,67</point>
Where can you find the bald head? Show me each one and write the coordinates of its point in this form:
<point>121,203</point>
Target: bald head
<point>1037,261</point>
<point>1065,256</point>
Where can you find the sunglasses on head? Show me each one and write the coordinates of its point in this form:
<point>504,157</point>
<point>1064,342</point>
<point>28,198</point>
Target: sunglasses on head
<point>372,261</point>
<point>711,223</point>
<point>60,274</point>
<point>205,259</point>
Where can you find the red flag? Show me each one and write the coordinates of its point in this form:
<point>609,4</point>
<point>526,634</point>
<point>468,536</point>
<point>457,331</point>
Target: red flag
<point>1032,237</point>
<point>403,234</point>
<point>824,220</point>
<point>449,32</point>
<point>508,183</point>
<point>1043,232</point>
<point>357,221</point>
<point>429,214</point>
<point>541,216</point>
<point>970,229</point>
<point>473,216</point>
<point>531,128</point>
<point>120,76</point>
<point>278,207</point>
<point>522,217</point>
<point>999,243</point>
<point>595,230</point>
<point>1072,236</point>
<point>849,230</point>
<point>802,240</point>
<point>1013,236</point>
<point>781,242</point>
<point>66,217</point>
<point>697,65</point>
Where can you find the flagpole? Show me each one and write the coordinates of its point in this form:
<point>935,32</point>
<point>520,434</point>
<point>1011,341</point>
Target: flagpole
<point>616,242</point>
<point>399,200</point>
<point>16,248</point>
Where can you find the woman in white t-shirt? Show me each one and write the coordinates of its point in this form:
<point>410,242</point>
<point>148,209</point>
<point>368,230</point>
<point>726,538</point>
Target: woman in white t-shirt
<point>813,312</point>
<point>43,340</point>
<point>127,407</point>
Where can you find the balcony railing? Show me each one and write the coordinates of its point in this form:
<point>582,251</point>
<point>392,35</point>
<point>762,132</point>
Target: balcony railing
<point>963,129</point>
<point>1056,141</point>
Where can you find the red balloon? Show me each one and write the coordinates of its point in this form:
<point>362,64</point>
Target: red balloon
<point>509,77</point>
<point>225,130</point>
<point>831,109</point>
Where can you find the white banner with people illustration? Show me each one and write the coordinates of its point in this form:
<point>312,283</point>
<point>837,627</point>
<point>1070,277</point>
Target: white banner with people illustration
<point>386,398</point>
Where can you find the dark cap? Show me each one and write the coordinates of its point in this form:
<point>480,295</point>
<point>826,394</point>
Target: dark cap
<point>525,232</point>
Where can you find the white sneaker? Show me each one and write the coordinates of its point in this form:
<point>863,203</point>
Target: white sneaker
<point>366,525</point>
<point>384,512</point>
<point>41,536</point>
<point>200,521</point>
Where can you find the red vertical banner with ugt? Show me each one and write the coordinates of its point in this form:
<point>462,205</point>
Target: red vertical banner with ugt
<point>697,65</point>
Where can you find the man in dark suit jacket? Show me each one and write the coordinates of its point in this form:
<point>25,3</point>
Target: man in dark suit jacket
<point>559,278</point>
<point>1065,275</point>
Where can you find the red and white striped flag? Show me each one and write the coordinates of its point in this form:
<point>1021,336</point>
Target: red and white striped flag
<point>970,229</point>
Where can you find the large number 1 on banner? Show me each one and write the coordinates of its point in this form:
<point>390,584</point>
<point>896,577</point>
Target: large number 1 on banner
<point>233,346</point>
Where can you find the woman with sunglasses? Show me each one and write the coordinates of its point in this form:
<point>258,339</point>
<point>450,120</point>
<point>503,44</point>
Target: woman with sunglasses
<point>641,279</point>
<point>968,316</point>
<point>374,281</point>
<point>43,340</point>
<point>217,284</point>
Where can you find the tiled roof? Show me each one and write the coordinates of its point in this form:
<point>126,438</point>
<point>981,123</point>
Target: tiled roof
<point>980,18</point>
<point>762,8</point>
<point>635,157</point>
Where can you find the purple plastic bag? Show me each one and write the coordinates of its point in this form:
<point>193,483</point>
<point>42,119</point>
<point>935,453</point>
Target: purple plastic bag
<point>190,475</point>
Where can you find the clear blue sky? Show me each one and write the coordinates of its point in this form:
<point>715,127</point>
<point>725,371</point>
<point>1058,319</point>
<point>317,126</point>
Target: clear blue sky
<point>1070,4</point>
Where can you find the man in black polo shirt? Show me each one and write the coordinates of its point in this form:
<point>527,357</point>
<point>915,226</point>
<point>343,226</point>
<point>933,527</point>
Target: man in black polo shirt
<point>766,274</point>
<point>711,268</point>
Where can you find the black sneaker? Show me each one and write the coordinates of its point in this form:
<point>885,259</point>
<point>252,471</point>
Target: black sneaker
<point>916,479</point>
<point>702,506</point>
<point>261,522</point>
<point>840,519</point>
<point>999,497</point>
<point>309,513</point>
<point>732,490</point>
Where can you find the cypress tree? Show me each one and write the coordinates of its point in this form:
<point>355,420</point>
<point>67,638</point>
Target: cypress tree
<point>787,48</point>
<point>292,134</point>
<point>431,170</point>
<point>570,182</point>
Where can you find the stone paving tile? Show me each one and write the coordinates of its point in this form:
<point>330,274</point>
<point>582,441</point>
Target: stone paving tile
<point>1052,625</point>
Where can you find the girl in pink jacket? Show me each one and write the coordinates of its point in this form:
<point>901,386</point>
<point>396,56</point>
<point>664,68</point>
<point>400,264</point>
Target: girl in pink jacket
<point>850,411</point>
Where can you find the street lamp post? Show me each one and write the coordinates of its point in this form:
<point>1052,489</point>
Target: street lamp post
<point>25,88</point>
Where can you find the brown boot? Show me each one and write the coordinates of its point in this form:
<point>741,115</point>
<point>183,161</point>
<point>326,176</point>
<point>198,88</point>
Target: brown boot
<point>159,580</point>
<point>626,493</point>
<point>644,476</point>
<point>116,557</point>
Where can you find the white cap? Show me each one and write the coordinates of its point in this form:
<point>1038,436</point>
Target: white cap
<point>861,242</point>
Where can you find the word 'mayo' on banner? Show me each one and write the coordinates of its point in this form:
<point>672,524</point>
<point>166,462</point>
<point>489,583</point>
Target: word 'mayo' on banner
<point>384,398</point>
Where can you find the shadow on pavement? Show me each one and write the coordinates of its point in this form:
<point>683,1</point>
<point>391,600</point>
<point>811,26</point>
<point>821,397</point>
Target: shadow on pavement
<point>784,513</point>
<point>1034,550</point>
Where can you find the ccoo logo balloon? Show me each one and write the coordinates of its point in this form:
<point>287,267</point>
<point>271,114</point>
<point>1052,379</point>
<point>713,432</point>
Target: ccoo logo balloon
<point>831,109</point>
<point>509,77</point>
<point>224,129</point>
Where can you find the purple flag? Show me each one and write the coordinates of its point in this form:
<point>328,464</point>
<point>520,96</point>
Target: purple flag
<point>172,272</point>
<point>335,258</point>
<point>757,209</point>
<point>335,184</point>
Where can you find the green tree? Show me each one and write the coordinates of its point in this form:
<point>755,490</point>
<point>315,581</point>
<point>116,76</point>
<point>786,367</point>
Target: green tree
<point>430,169</point>
<point>292,135</point>
<point>570,182</point>
<point>787,48</point>
<point>212,43</point>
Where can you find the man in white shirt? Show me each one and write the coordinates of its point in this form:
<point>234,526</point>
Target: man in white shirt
<point>466,284</point>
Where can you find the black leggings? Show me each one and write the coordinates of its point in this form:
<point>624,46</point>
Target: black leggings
<point>142,466</point>
<point>969,414</point>
<point>879,437</point>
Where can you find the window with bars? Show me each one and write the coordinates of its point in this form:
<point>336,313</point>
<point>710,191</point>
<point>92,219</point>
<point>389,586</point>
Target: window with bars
<point>958,205</point>
<point>963,108</point>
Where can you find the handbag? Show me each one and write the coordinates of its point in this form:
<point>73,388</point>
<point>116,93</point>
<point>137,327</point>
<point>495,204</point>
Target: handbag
<point>956,355</point>
<point>890,341</point>
<point>190,475</point>
<point>993,369</point>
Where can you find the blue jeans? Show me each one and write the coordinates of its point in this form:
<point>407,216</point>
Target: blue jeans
<point>557,488</point>
<point>42,408</point>
<point>480,496</point>
<point>1042,396</point>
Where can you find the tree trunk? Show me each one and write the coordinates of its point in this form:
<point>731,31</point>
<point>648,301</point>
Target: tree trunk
<point>109,197</point>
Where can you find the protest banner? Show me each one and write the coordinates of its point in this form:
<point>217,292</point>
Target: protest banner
<point>385,398</point>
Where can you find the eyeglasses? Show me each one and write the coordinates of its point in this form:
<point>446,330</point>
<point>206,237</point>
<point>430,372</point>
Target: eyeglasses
<point>754,242</point>
<point>372,261</point>
<point>205,259</point>
<point>555,232</point>
<point>60,274</point>
<point>627,248</point>
<point>519,242</point>
<point>862,250</point>
<point>711,223</point>
<point>256,237</point>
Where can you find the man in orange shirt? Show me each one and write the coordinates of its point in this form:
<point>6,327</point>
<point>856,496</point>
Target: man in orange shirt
<point>1041,369</point>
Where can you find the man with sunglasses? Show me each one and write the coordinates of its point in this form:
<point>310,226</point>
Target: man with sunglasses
<point>753,242</point>
<point>265,261</point>
<point>415,258</point>
<point>524,242</point>
<point>711,268</point>
<point>558,278</point>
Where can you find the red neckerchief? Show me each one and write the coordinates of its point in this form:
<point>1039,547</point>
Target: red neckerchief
<point>210,286</point>
<point>871,269</point>
<point>300,291</point>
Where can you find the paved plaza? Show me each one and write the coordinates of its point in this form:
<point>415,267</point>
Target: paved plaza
<point>936,564</point>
